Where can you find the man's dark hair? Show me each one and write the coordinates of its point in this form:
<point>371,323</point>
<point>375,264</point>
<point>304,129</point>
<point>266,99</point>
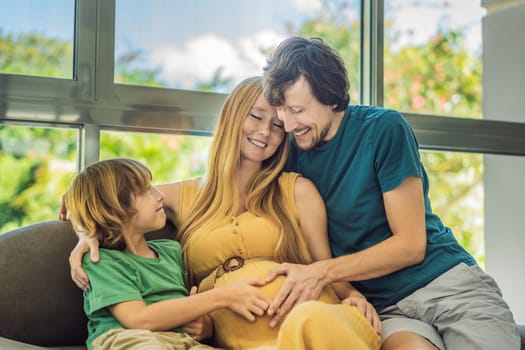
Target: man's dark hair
<point>318,63</point>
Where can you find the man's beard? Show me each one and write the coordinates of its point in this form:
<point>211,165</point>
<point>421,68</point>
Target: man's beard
<point>318,142</point>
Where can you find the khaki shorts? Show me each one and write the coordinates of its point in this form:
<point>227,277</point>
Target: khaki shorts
<point>141,339</point>
<point>461,309</point>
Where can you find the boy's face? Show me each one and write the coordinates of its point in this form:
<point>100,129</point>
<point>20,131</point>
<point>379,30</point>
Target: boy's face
<point>150,211</point>
<point>310,122</point>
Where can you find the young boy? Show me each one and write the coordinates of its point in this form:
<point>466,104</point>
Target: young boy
<point>137,297</point>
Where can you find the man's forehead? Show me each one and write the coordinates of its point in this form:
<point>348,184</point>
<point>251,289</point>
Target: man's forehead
<point>296,98</point>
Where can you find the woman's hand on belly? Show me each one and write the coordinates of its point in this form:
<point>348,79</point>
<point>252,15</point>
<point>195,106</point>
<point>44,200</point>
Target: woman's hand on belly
<point>366,309</point>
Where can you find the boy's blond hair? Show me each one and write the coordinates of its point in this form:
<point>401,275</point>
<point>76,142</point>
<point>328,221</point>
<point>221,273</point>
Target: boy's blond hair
<point>100,200</point>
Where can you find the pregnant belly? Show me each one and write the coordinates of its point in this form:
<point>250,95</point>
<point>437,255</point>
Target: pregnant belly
<point>235,332</point>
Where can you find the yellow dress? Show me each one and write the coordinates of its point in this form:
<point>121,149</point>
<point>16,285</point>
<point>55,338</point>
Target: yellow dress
<point>317,326</point>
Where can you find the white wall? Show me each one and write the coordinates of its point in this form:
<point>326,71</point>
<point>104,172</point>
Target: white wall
<point>503,99</point>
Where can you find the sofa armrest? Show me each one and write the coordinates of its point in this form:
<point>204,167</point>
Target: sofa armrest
<point>39,302</point>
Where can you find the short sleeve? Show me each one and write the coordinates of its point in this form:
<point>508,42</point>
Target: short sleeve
<point>396,154</point>
<point>111,282</point>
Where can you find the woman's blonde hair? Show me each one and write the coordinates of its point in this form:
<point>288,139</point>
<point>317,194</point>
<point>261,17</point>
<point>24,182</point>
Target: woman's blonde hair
<point>100,200</point>
<point>219,196</point>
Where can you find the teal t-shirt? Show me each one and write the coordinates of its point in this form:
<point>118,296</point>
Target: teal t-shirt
<point>121,276</point>
<point>373,151</point>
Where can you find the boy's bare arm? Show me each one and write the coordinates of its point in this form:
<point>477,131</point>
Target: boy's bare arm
<point>244,299</point>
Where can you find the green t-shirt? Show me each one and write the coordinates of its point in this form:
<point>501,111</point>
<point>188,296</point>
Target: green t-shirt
<point>373,151</point>
<point>121,276</point>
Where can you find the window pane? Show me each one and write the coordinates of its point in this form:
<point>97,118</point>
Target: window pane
<point>169,157</point>
<point>36,37</point>
<point>37,165</point>
<point>456,194</point>
<point>212,45</point>
<point>432,59</point>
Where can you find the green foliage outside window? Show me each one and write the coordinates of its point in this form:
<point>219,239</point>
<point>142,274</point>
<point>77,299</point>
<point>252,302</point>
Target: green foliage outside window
<point>36,164</point>
<point>34,54</point>
<point>170,157</point>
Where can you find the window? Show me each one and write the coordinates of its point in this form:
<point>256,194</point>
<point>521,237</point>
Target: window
<point>36,38</point>
<point>37,164</point>
<point>432,57</point>
<point>456,194</point>
<point>169,157</point>
<point>206,45</point>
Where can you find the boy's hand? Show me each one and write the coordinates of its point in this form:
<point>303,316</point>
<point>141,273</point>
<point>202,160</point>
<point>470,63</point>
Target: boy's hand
<point>366,309</point>
<point>246,300</point>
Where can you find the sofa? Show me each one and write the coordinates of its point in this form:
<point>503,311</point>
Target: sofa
<point>40,307</point>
